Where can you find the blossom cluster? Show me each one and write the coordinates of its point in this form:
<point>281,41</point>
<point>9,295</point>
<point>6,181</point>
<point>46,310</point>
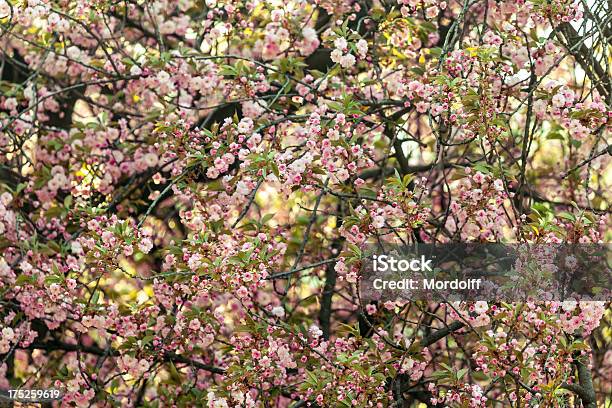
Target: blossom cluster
<point>188,192</point>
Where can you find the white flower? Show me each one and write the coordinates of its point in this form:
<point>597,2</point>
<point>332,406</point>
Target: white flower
<point>5,10</point>
<point>309,33</point>
<point>499,185</point>
<point>6,198</point>
<point>4,268</point>
<point>343,175</point>
<point>7,333</point>
<point>278,311</point>
<point>558,101</point>
<point>340,43</point>
<point>145,245</point>
<point>10,103</point>
<point>245,125</point>
<point>481,307</point>
<point>362,48</point>
<point>26,267</point>
<point>315,331</point>
<point>163,77</point>
<point>569,305</point>
<point>76,248</point>
<point>242,188</point>
<point>151,159</point>
<point>347,61</point>
<point>336,55</point>
<point>194,262</point>
<point>73,52</point>
<point>507,26</point>
<point>378,221</point>
<point>135,70</point>
<point>407,364</point>
<point>277,15</point>
<point>212,173</point>
<point>143,365</point>
<point>28,93</point>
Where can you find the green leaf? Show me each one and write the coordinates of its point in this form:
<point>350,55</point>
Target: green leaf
<point>435,51</point>
<point>51,279</point>
<point>568,216</point>
<point>461,373</point>
<point>95,297</point>
<point>147,339</point>
<point>355,250</point>
<point>23,279</point>
<point>266,218</point>
<point>440,374</point>
<point>556,135</point>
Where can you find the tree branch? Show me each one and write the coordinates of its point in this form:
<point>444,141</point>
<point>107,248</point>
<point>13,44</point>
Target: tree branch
<point>440,334</point>
<point>54,345</point>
